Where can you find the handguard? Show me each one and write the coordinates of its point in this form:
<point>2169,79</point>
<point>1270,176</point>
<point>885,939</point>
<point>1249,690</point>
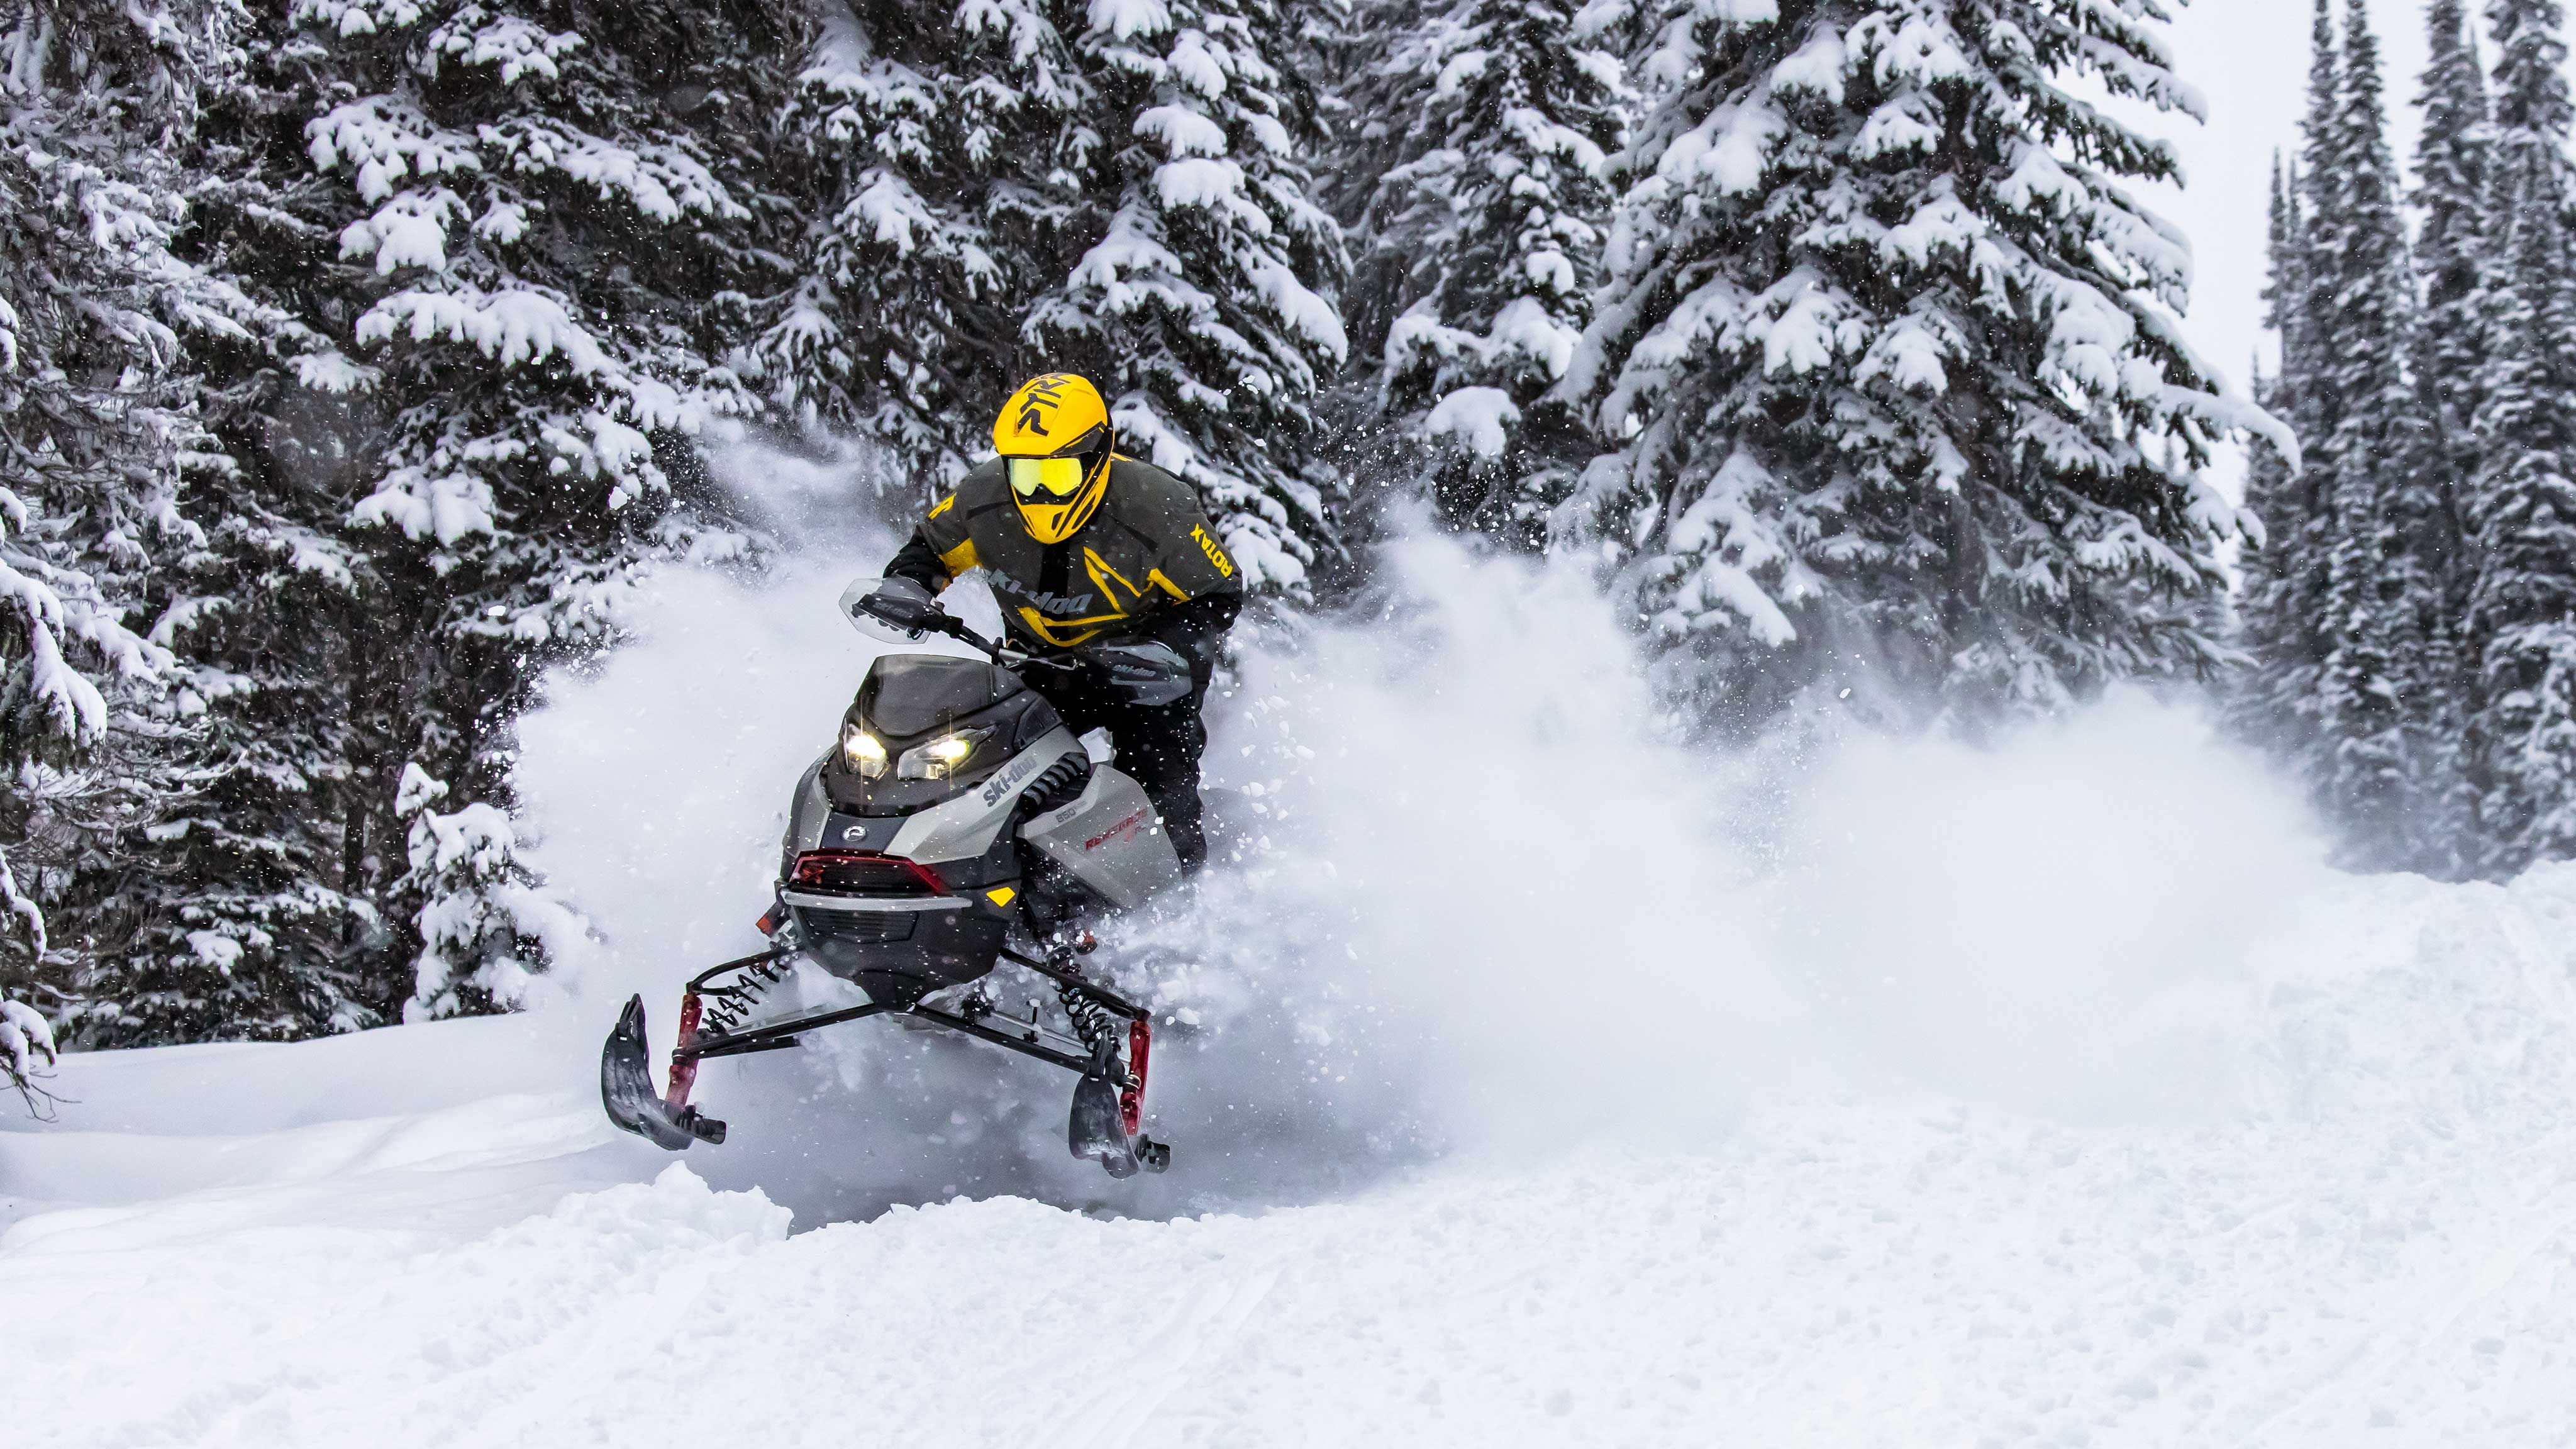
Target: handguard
<point>1145,672</point>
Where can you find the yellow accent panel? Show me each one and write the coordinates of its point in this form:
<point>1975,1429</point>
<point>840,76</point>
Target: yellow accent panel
<point>1071,631</point>
<point>1173,589</point>
<point>1101,573</point>
<point>959,559</point>
<point>1001,895</point>
<point>942,506</point>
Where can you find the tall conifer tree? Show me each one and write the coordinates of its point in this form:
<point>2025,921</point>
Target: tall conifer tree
<point>2273,703</point>
<point>2522,508</point>
<point>2452,198</point>
<point>2386,702</point>
<point>2454,248</point>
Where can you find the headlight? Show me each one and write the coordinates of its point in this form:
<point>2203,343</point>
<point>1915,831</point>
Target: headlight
<point>865,752</point>
<point>940,758</point>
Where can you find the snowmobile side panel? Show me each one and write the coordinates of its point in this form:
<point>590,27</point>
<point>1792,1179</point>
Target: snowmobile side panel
<point>809,808</point>
<point>1109,839</point>
<point>966,827</point>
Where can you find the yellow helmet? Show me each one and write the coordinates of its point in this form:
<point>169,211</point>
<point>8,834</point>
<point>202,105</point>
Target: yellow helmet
<point>1054,439</point>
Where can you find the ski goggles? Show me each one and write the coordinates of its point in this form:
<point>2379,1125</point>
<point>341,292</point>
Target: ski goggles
<point>1061,477</point>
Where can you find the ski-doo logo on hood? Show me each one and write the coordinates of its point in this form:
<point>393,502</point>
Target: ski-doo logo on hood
<point>1010,778</point>
<point>1123,830</point>
<point>854,833</point>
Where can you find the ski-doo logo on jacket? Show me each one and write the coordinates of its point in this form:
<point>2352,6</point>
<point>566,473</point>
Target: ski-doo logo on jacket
<point>1058,603</point>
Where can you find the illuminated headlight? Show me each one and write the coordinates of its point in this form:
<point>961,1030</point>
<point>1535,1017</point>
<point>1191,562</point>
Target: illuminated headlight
<point>940,758</point>
<point>865,752</point>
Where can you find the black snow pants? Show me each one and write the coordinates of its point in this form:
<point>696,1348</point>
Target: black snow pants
<point>1159,747</point>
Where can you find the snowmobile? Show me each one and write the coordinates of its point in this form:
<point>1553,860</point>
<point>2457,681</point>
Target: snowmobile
<point>956,827</point>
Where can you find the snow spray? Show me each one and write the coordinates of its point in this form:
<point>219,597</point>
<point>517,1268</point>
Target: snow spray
<point>1473,895</point>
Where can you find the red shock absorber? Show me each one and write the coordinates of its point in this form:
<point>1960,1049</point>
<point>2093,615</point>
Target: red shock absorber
<point>1140,1051</point>
<point>684,1070</point>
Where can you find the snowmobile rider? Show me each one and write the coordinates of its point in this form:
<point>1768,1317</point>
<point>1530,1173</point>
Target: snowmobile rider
<point>1110,578</point>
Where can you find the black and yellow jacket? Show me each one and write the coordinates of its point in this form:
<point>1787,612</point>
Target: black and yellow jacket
<point>1146,566</point>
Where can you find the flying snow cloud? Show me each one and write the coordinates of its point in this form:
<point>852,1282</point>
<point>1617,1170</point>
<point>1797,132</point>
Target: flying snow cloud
<point>1471,895</point>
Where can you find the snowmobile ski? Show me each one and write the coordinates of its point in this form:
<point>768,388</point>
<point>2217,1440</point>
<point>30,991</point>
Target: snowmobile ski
<point>626,1087</point>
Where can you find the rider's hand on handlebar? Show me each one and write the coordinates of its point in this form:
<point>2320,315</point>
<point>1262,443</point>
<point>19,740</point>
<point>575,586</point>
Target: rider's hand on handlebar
<point>904,603</point>
<point>1146,672</point>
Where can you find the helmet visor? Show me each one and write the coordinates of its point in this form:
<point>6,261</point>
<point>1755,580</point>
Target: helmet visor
<point>1058,477</point>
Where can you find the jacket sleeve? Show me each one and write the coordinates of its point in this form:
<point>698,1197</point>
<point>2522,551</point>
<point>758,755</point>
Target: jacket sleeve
<point>1196,630</point>
<point>939,549</point>
<point>917,561</point>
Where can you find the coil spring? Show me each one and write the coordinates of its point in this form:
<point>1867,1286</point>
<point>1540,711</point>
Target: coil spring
<point>1094,1023</point>
<point>724,1013</point>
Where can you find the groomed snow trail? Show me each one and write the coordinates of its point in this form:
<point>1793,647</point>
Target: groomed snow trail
<point>1535,1082</point>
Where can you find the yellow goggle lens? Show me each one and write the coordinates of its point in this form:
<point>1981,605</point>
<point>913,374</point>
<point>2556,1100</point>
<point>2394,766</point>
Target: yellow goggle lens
<point>1059,476</point>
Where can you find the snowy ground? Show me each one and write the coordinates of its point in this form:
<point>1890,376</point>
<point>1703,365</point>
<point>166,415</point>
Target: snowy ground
<point>2052,1096</point>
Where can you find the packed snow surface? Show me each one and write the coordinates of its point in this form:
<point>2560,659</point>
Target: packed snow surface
<point>1534,1079</point>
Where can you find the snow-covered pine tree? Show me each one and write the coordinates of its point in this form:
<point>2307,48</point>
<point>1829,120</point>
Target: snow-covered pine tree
<point>1199,299</point>
<point>938,139</point>
<point>2385,702</point>
<point>1882,334</point>
<point>2281,605</point>
<point>1483,235</point>
<point>516,246</point>
<point>101,446</point>
<point>2452,198</point>
<point>488,927</point>
<point>2521,510</point>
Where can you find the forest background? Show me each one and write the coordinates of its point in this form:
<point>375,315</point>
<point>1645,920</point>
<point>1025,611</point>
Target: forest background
<point>359,358</point>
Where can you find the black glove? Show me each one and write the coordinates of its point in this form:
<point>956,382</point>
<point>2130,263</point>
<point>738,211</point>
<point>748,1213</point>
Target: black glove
<point>903,603</point>
<point>1144,672</point>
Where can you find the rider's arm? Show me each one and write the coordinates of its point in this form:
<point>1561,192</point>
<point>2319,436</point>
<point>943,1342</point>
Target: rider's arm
<point>938,550</point>
<point>1195,630</point>
<point>917,561</point>
<point>1206,587</point>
